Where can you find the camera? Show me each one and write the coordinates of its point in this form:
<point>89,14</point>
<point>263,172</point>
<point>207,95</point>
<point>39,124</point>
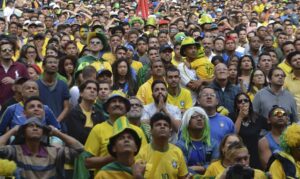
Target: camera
<point>240,172</point>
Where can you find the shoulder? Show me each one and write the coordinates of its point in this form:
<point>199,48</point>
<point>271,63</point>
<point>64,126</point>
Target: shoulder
<point>61,83</point>
<point>259,174</point>
<point>263,141</point>
<point>223,118</point>
<point>185,91</point>
<point>174,149</point>
<point>150,106</point>
<point>19,65</point>
<point>12,107</point>
<point>263,91</point>
<point>172,107</point>
<point>180,66</point>
<point>102,126</point>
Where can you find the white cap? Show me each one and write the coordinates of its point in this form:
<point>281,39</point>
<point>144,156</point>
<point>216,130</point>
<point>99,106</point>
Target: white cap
<point>27,22</point>
<point>56,6</point>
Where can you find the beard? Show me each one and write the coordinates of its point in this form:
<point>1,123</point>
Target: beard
<point>6,59</point>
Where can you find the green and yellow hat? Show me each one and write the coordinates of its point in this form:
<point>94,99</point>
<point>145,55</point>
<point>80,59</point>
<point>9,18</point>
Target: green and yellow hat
<point>179,37</point>
<point>136,20</point>
<point>120,126</point>
<point>151,21</point>
<point>101,36</point>
<point>205,19</point>
<point>117,94</point>
<point>187,42</point>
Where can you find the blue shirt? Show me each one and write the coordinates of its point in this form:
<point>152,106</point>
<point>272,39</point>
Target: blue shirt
<point>198,152</point>
<point>14,115</point>
<point>274,147</point>
<point>227,58</point>
<point>220,126</point>
<point>54,96</point>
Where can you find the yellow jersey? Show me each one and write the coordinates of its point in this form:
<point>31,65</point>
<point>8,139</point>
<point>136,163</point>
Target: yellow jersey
<point>109,57</point>
<point>203,67</point>
<point>101,65</point>
<point>183,100</point>
<point>145,92</point>
<point>285,67</point>
<point>98,139</point>
<point>214,169</point>
<point>276,169</point>
<point>291,83</point>
<point>161,165</point>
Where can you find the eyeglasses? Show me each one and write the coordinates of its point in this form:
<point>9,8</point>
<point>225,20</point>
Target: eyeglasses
<point>198,116</point>
<point>279,113</point>
<point>30,52</point>
<point>243,101</point>
<point>96,42</point>
<point>6,50</point>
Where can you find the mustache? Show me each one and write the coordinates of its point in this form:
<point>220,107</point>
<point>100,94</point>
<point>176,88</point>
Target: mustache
<point>116,107</point>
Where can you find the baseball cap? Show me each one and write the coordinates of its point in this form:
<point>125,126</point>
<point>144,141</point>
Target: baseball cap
<point>165,47</point>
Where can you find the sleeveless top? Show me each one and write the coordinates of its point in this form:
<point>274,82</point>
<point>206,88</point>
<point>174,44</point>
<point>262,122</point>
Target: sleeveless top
<point>272,143</point>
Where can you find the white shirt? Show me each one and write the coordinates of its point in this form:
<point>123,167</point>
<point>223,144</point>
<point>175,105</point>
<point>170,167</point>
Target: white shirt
<point>150,110</point>
<point>186,76</point>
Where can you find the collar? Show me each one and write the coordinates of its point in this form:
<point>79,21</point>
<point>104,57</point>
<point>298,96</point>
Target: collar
<point>12,64</point>
<point>42,151</point>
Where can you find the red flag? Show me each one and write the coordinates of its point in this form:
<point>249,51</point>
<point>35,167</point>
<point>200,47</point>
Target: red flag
<point>143,8</point>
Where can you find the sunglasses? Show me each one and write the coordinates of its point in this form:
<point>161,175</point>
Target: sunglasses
<point>243,101</point>
<point>6,50</point>
<point>279,113</point>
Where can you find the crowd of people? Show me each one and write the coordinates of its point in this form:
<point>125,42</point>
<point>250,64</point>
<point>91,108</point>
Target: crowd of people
<point>149,89</point>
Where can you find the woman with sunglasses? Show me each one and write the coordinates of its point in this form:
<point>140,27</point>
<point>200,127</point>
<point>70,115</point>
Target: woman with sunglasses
<point>249,126</point>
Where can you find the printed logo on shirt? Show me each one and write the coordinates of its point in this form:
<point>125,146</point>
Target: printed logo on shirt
<point>222,124</point>
<point>174,164</point>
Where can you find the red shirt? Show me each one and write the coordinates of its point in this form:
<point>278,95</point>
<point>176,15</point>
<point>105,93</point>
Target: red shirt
<point>15,70</point>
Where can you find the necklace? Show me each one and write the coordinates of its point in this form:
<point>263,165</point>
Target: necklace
<point>246,123</point>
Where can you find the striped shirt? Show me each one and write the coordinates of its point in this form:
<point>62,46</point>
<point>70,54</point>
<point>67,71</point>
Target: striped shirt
<point>47,163</point>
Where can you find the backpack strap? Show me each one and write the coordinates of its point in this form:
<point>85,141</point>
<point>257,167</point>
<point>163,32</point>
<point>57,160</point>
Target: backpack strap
<point>288,167</point>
